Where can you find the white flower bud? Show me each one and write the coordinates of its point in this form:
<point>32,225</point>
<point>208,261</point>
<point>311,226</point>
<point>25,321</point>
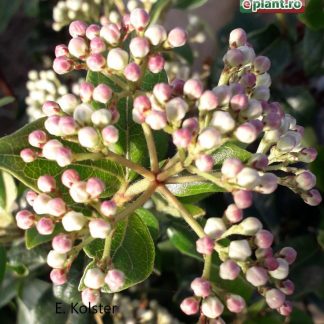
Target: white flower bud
<point>239,250</point>
<point>209,138</point>
<point>82,114</point>
<point>99,228</point>
<point>248,178</point>
<point>56,260</point>
<point>282,271</point>
<point>117,59</point>
<point>250,226</point>
<point>40,204</point>
<point>223,121</point>
<point>156,34</point>
<point>176,109</point>
<point>101,117</point>
<point>214,227</point>
<point>68,103</point>
<point>73,221</point>
<point>88,137</point>
<point>94,278</point>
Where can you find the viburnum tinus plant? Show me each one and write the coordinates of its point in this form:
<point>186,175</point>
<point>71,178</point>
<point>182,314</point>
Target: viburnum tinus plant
<point>94,161</point>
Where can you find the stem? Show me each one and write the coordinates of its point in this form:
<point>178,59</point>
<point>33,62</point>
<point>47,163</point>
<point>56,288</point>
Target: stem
<point>184,213</point>
<point>224,77</point>
<point>116,80</point>
<point>185,179</point>
<point>137,188</point>
<point>171,162</point>
<point>176,168</point>
<point>207,266</point>
<point>139,202</point>
<point>151,148</point>
<point>107,247</point>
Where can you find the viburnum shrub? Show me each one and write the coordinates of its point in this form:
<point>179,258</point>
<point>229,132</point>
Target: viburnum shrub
<point>95,160</point>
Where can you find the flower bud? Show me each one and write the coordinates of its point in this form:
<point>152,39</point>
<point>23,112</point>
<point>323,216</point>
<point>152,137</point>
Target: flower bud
<point>177,87</point>
<point>212,307</point>
<point>289,254</point>
<point>176,109</point>
<point>78,47</point>
<point>156,119</point>
<point>237,38</point>
<point>139,47</point>
<point>73,221</point>
<point>77,28</point>
<point>270,262</point>
<point>51,108</point>
<point>108,208</point>
<point>214,227</point>
<point>239,102</point>
<point>97,45</point>
<point>69,177</point>
<point>257,276</point>
<point>115,280</point>
<point>62,243</point>
<point>287,287</point>
<point>52,125</point>
<point>261,64</point>
<point>99,228</point>
<point>229,270</point>
<point>282,271</point>
<point>263,80</point>
<point>261,93</point>
<point>246,133</point>
<point>190,306</point>
<point>201,287</point>
<point>263,239</point>
<point>56,260</point>
<point>28,155</point>
<point>68,103</point>
<point>37,138</point>
<point>92,31</point>
<point>25,219</point>
<point>209,138</point>
<point>205,245</point>
<point>61,50</point>
<point>94,278</point>
<point>208,101</point>
<point>117,59</point>
<point>223,93</point>
<point>40,204</point>
<point>95,187</point>
<point>182,137</point>
<point>287,142</point>
<point>239,250</point>
<point>231,167</point>
<point>56,207</point>
<point>68,126</point>
<point>139,18</point>
<point>233,57</point>
<point>233,213</point>
<point>177,37</point>
<point>235,303</point>
<point>64,156</point>
<point>191,123</point>
<point>248,178</point>
<point>45,226</point>
<point>274,298</point>
<point>306,180</point>
<point>132,72</point>
<point>285,309</point>
<point>312,198</point>
<point>88,137</point>
<point>110,135</point>
<point>155,63</point>
<point>90,297</point>
<point>248,80</point>
<point>62,65</point>
<point>82,114</point>
<point>223,121</point>
<point>79,193</point>
<point>243,198</point>
<point>193,88</point>
<point>101,117</point>
<point>58,276</point>
<point>46,183</point>
<point>156,34</point>
<point>111,34</point>
<point>86,90</point>
<point>102,93</point>
<point>30,197</point>
<point>162,92</point>
<point>307,155</point>
<point>248,54</point>
<point>250,226</point>
<point>96,62</point>
<point>204,162</point>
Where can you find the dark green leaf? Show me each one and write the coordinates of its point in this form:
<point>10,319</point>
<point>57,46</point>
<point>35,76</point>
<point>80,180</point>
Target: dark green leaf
<point>7,9</point>
<point>230,150</point>
<point>150,221</point>
<point>185,52</point>
<point>313,16</point>
<point>151,79</point>
<point>3,261</point>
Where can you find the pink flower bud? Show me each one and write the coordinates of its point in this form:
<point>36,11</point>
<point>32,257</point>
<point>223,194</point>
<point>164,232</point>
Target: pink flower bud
<point>155,63</point>
<point>289,254</point>
<point>156,119</point>
<point>274,298</point>
<point>56,207</point>
<point>40,204</point>
<point>62,65</point>
<point>139,18</point>
<point>95,187</point>
<point>261,64</point>
<point>223,121</point>
<point>46,183</point>
<point>79,193</point>
<point>235,303</point>
<point>30,197</point>
<point>92,31</point>
<point>111,34</point>
<point>78,47</point>
<point>132,72</point>
<point>28,155</point>
<point>68,103</point>
<point>86,90</point>
<point>306,180</point>
<point>204,162</point>
<point>156,34</point>
<point>45,226</point>
<point>88,137</point>
<point>139,47</point>
<point>37,138</point>
<point>239,250</point>
<point>162,92</point>
<point>68,126</point>
<point>94,278</point>
<point>64,156</point>
<point>77,28</point>
<point>58,276</point>
<point>246,133</point>
<point>261,93</point>
<point>263,253</point>
<point>117,59</point>
<point>61,50</point>
<point>243,198</point>
<point>73,221</point>
<point>182,137</point>
<point>229,270</point>
<point>208,101</point>
<point>62,243</point>
<point>248,54</point>
<point>69,177</point>
<point>212,307</point>
<point>115,280</point>
<point>201,287</point>
<point>108,208</point>
<point>282,271</point>
<point>234,57</point>
<point>259,161</point>
<point>237,38</point>
<point>209,138</point>
<point>257,276</point>
<point>270,263</point>
<point>99,228</point>
<point>97,45</point>
<point>176,109</point>
<point>177,37</point>
<point>52,125</point>
<point>193,88</point>
<point>263,239</point>
<point>25,219</point>
<point>51,108</point>
<point>90,297</point>
<point>110,135</point>
<point>248,178</point>
<point>205,245</point>
<point>233,213</point>
<point>239,102</point>
<point>248,80</point>
<point>177,87</point>
<point>287,287</point>
<point>312,198</point>
<point>191,123</point>
<point>102,93</point>
<point>231,167</point>
<point>96,62</point>
<point>286,308</point>
<point>307,155</point>
<point>190,306</point>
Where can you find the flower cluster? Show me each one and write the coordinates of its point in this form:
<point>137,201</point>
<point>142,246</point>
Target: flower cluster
<point>199,122</point>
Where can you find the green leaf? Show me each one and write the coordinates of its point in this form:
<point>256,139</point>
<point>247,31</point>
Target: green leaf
<point>33,238</point>
<point>132,251</point>
<point>3,261</point>
<point>317,168</point>
<point>189,4</point>
<point>151,79</point>
<point>28,173</point>
<point>158,9</point>
<point>150,221</point>
<point>230,150</point>
<point>7,10</point>
<point>185,52</point>
<point>6,101</point>
<point>313,17</point>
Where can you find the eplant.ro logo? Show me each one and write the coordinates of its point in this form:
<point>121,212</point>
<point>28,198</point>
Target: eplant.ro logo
<point>272,6</point>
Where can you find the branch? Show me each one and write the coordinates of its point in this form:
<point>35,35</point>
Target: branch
<point>151,148</point>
